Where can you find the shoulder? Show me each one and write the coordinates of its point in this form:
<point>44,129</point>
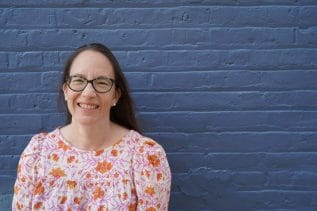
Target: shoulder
<point>35,145</point>
<point>143,144</point>
<point>148,152</point>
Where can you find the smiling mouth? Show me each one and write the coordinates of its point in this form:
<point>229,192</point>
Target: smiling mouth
<point>87,106</point>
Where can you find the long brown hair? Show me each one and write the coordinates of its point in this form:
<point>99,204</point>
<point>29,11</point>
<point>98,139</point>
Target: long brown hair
<point>123,113</point>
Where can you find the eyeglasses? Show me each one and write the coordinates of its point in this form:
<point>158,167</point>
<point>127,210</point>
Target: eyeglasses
<point>100,84</point>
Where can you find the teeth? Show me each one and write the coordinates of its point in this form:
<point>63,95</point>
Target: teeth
<point>88,106</point>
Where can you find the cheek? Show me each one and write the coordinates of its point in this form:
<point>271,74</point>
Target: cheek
<point>71,98</point>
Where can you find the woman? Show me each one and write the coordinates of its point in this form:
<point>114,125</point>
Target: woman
<point>99,160</point>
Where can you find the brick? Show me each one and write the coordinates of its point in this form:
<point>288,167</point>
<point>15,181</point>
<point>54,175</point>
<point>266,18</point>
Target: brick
<point>201,59</point>
<point>276,199</point>
<point>51,121</point>
<point>9,165</point>
<point>290,161</point>
<point>237,141</point>
<point>128,3</point>
<point>223,80</point>
<point>292,180</point>
<point>30,62</point>
<point>249,180</point>
<point>17,124</point>
<point>25,60</point>
<point>212,101</point>
<point>161,38</point>
<point>307,37</point>
<point>199,182</point>
<point>28,17</point>
<point>229,121</point>
<point>264,16</point>
<point>4,63</point>
<point>13,144</point>
<point>20,82</point>
<point>181,201</point>
<point>7,183</point>
<point>307,16</point>
<point>189,161</point>
<point>50,80</point>
<point>227,59</point>
<point>236,161</point>
<point>16,39</point>
<point>5,201</point>
<point>28,103</point>
<point>18,103</point>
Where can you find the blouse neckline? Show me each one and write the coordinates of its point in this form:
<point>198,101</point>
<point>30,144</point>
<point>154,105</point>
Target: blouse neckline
<point>64,140</point>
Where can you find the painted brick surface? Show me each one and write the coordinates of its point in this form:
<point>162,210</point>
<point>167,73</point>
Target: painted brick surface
<point>227,87</point>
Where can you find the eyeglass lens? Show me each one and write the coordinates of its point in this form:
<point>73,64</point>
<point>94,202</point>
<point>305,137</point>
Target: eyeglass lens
<point>100,84</point>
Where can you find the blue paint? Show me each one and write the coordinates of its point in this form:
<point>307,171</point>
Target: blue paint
<point>227,87</point>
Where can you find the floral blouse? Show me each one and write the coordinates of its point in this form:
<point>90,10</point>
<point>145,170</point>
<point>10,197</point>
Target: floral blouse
<point>133,174</point>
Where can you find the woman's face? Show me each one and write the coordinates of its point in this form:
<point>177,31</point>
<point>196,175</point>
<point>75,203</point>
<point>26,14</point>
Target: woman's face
<point>89,106</point>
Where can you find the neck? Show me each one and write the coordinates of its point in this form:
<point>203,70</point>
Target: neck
<point>92,136</point>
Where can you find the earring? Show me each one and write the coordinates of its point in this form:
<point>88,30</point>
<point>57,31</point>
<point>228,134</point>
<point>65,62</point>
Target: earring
<point>114,104</point>
<point>66,99</point>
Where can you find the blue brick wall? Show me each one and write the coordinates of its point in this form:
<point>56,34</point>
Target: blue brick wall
<point>228,87</point>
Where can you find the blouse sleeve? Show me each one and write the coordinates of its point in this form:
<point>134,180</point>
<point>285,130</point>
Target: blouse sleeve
<point>152,177</point>
<point>26,173</point>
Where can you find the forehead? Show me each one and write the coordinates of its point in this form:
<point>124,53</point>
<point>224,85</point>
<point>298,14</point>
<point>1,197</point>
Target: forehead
<point>92,64</point>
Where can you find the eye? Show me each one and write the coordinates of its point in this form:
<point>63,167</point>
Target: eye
<point>103,82</point>
<point>77,80</point>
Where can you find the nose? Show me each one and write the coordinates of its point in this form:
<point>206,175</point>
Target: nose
<point>89,90</point>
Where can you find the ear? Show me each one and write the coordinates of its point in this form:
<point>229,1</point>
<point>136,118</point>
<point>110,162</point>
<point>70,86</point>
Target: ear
<point>117,96</point>
<point>65,90</point>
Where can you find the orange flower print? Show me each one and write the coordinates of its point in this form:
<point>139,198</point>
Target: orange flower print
<point>16,189</point>
<point>70,159</point>
<point>63,146</point>
<point>99,152</point>
<point>150,209</point>
<point>101,208</point>
<point>98,193</point>
<point>159,176</point>
<point>153,160</point>
<point>19,206</point>
<point>19,168</point>
<point>132,207</point>
<point>57,172</point>
<point>39,189</point>
<point>114,152</point>
<point>63,199</point>
<point>23,179</point>
<point>55,157</point>
<point>38,205</point>
<point>146,173</point>
<point>77,200</point>
<point>104,166</point>
<point>150,190</point>
<point>71,184</point>
<point>150,143</point>
<point>125,196</point>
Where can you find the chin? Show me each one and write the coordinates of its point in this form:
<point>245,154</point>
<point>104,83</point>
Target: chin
<point>85,120</point>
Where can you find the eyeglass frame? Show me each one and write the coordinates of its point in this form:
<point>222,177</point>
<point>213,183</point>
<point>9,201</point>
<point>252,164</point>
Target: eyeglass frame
<point>68,80</point>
